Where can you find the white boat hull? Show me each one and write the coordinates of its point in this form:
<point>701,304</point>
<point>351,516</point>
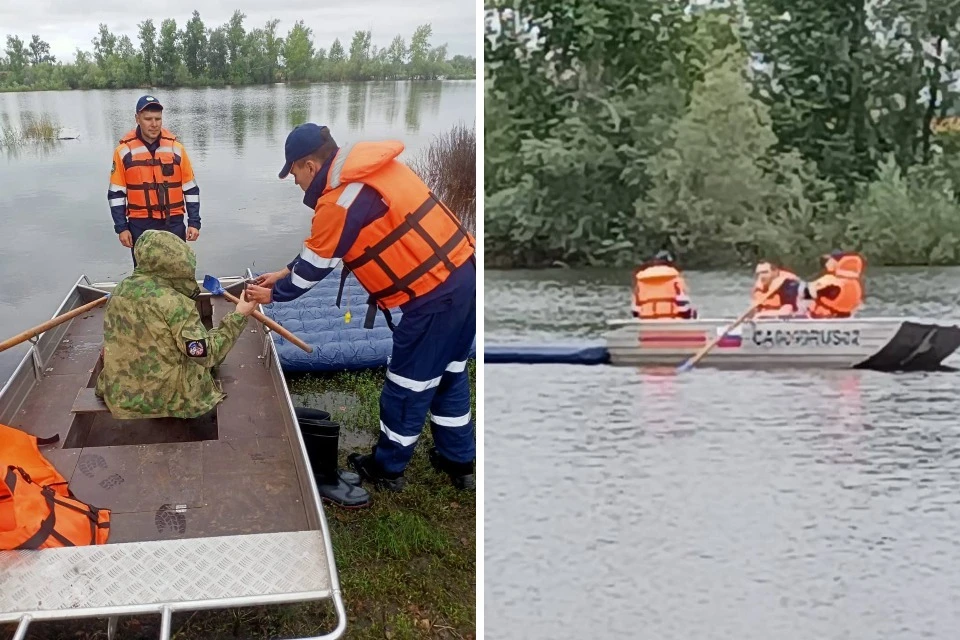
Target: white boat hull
<point>871,343</point>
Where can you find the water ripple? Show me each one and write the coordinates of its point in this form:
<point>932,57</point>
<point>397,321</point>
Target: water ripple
<point>741,505</point>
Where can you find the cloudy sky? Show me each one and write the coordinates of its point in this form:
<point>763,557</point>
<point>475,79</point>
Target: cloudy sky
<point>68,24</point>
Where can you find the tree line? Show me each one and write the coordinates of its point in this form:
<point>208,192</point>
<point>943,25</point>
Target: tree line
<point>196,55</point>
<point>723,131</point>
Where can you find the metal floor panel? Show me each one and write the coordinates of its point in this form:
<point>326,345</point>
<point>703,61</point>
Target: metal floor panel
<point>259,568</point>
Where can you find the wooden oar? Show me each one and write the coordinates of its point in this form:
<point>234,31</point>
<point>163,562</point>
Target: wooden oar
<point>686,366</point>
<point>213,285</point>
<point>50,324</point>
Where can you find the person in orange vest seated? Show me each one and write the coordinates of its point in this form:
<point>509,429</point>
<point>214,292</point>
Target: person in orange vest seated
<point>784,301</point>
<point>838,293</point>
<point>659,291</point>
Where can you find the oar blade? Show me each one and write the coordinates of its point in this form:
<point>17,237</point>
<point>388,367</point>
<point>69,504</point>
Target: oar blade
<point>212,285</point>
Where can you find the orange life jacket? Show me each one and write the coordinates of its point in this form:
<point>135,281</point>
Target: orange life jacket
<point>415,246</point>
<point>774,302</point>
<point>655,292</point>
<point>37,510</point>
<point>155,182</point>
<point>848,276</point>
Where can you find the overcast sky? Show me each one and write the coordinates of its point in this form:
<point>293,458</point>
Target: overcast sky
<point>68,24</point>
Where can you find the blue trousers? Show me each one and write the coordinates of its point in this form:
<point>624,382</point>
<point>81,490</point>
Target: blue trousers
<point>139,225</point>
<point>427,373</point>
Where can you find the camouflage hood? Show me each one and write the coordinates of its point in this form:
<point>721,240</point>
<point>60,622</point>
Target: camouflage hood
<point>163,256</point>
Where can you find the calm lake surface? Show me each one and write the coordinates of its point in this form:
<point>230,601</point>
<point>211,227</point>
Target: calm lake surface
<point>745,505</point>
<point>53,197</point>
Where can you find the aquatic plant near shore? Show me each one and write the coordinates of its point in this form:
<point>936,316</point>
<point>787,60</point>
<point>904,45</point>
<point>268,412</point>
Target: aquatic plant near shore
<point>449,167</point>
<point>42,129</point>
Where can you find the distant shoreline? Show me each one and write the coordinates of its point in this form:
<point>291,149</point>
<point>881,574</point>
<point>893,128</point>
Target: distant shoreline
<point>232,86</point>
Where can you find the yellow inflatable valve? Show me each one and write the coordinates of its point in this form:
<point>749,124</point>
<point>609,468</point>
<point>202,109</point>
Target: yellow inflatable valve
<point>346,317</point>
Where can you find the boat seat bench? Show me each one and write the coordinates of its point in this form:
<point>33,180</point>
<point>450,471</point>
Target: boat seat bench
<point>87,401</point>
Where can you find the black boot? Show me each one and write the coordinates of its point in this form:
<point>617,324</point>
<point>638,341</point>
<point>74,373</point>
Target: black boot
<point>321,437</point>
<point>367,467</point>
<point>461,473</point>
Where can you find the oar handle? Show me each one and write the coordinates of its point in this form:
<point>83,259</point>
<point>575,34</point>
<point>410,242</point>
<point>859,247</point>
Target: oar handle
<point>704,351</point>
<point>273,325</point>
<point>50,324</point>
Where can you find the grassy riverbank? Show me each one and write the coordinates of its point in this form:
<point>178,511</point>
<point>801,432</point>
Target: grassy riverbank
<point>407,565</point>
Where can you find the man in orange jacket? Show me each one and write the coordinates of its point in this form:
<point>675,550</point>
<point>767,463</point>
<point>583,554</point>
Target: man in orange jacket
<point>409,251</point>
<point>152,185</point>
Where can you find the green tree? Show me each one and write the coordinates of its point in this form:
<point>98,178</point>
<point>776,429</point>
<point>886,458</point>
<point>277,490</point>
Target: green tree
<point>397,56</point>
<point>195,46</point>
<point>218,52</point>
<point>168,56</point>
<point>236,39</point>
<point>104,45</point>
<point>17,57</point>
<point>148,49</point>
<point>718,187</point>
<point>359,53</point>
<point>420,51</point>
<point>336,61</point>
<point>40,51</point>
<point>298,51</point>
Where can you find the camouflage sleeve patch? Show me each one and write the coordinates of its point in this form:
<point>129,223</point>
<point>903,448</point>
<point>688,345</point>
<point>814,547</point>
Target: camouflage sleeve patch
<point>197,348</point>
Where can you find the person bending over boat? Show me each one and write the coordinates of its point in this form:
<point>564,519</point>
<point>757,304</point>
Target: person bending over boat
<point>776,291</point>
<point>409,251</point>
<point>659,291</point>
<point>157,354</point>
<point>838,293</point>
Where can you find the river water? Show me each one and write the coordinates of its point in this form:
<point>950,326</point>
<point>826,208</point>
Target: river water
<point>53,198</point>
<point>740,504</point>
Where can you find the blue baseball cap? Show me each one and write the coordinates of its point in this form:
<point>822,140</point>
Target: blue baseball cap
<point>302,141</point>
<point>145,101</point>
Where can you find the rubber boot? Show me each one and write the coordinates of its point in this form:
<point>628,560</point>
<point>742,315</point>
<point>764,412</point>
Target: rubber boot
<point>461,474</point>
<point>322,438</point>
<point>369,470</point>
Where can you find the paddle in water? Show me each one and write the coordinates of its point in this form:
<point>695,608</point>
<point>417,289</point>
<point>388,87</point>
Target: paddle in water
<point>213,285</point>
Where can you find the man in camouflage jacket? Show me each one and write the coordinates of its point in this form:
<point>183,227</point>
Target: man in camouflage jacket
<point>157,354</point>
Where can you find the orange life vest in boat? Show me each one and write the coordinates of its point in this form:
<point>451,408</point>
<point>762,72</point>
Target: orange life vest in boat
<point>776,301</point>
<point>414,247</point>
<point>847,275</point>
<point>658,292</point>
<point>37,510</point>
<point>154,183</point>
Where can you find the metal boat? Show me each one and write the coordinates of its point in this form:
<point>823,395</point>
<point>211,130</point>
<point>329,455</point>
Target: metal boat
<point>885,344</point>
<point>210,513</point>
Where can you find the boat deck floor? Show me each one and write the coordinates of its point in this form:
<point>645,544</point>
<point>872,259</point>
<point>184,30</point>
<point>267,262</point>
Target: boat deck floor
<point>231,472</point>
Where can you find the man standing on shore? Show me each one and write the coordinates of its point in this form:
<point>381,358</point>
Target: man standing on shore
<point>408,250</point>
<point>151,181</point>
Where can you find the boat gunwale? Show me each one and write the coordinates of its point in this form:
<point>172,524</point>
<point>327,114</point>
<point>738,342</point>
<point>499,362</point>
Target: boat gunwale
<point>869,320</point>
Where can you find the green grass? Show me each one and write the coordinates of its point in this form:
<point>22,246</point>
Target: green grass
<point>407,564</point>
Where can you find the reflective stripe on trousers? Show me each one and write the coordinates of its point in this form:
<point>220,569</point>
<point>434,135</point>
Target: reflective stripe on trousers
<point>427,374</point>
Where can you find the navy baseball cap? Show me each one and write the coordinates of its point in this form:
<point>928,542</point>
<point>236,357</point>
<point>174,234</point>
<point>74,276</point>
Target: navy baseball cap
<point>302,141</point>
<point>145,101</point>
